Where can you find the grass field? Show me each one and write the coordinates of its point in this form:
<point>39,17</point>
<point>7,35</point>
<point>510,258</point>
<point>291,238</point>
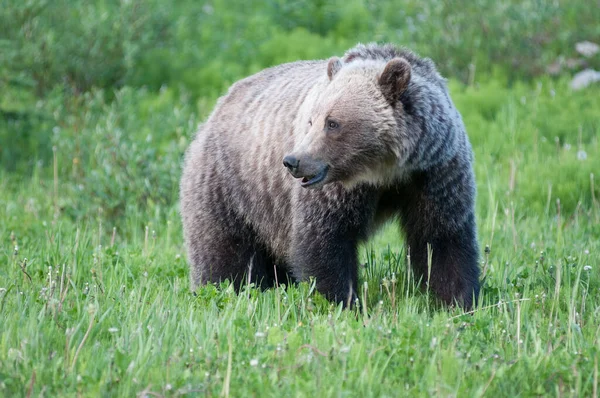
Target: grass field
<point>95,301</point>
<point>98,101</point>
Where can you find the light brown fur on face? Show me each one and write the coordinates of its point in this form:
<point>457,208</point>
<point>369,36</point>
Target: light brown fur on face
<point>368,143</point>
<point>374,135</point>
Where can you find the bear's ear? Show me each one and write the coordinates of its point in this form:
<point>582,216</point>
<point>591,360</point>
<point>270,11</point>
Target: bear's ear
<point>395,78</point>
<point>333,66</point>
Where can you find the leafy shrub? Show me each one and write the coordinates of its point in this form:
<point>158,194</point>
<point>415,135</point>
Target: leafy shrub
<point>546,132</point>
<point>120,155</point>
<point>204,46</point>
<point>80,44</point>
<point>106,83</point>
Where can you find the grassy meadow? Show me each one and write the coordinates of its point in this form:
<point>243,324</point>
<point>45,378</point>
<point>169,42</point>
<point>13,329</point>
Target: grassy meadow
<point>98,102</point>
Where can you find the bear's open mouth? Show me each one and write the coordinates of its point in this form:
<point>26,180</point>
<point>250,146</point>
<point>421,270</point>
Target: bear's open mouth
<point>307,181</point>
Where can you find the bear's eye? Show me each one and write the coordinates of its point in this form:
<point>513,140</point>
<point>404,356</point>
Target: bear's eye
<point>332,125</point>
<point>310,122</point>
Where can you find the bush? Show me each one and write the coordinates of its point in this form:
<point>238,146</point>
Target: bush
<point>546,132</point>
<point>120,155</point>
<point>117,87</point>
<point>205,46</point>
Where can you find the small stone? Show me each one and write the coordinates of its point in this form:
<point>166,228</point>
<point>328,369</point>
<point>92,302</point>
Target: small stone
<point>584,78</point>
<point>587,48</point>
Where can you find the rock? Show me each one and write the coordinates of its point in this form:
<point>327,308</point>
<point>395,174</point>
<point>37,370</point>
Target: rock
<point>587,48</point>
<point>584,79</point>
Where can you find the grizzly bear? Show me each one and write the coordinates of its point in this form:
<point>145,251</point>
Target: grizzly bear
<point>364,139</point>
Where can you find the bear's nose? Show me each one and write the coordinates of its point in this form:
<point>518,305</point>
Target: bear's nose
<point>291,162</point>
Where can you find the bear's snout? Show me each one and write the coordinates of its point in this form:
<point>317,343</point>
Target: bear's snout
<point>312,171</point>
<point>291,162</point>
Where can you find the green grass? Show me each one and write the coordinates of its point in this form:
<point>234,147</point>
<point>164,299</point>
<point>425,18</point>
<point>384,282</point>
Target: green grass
<point>98,101</point>
<point>95,300</point>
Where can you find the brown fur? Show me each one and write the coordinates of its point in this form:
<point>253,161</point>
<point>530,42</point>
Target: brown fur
<point>357,121</point>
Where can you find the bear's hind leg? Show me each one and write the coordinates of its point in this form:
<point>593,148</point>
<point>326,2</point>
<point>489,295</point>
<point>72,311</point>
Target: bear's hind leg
<point>216,256</point>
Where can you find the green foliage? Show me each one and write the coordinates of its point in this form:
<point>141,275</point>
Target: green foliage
<point>81,44</point>
<point>204,46</point>
<point>121,155</point>
<point>536,143</point>
<point>91,314</point>
<point>110,156</point>
<point>545,139</point>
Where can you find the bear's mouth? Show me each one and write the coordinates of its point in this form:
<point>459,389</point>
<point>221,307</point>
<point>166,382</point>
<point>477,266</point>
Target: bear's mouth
<point>313,180</point>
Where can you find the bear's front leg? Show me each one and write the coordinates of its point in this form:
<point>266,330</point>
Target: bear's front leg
<point>331,260</point>
<point>327,229</point>
<point>437,214</point>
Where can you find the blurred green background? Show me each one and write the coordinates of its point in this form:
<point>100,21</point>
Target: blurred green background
<point>204,46</point>
<point>117,88</point>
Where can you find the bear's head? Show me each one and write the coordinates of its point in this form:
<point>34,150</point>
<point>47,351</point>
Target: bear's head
<point>356,131</point>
